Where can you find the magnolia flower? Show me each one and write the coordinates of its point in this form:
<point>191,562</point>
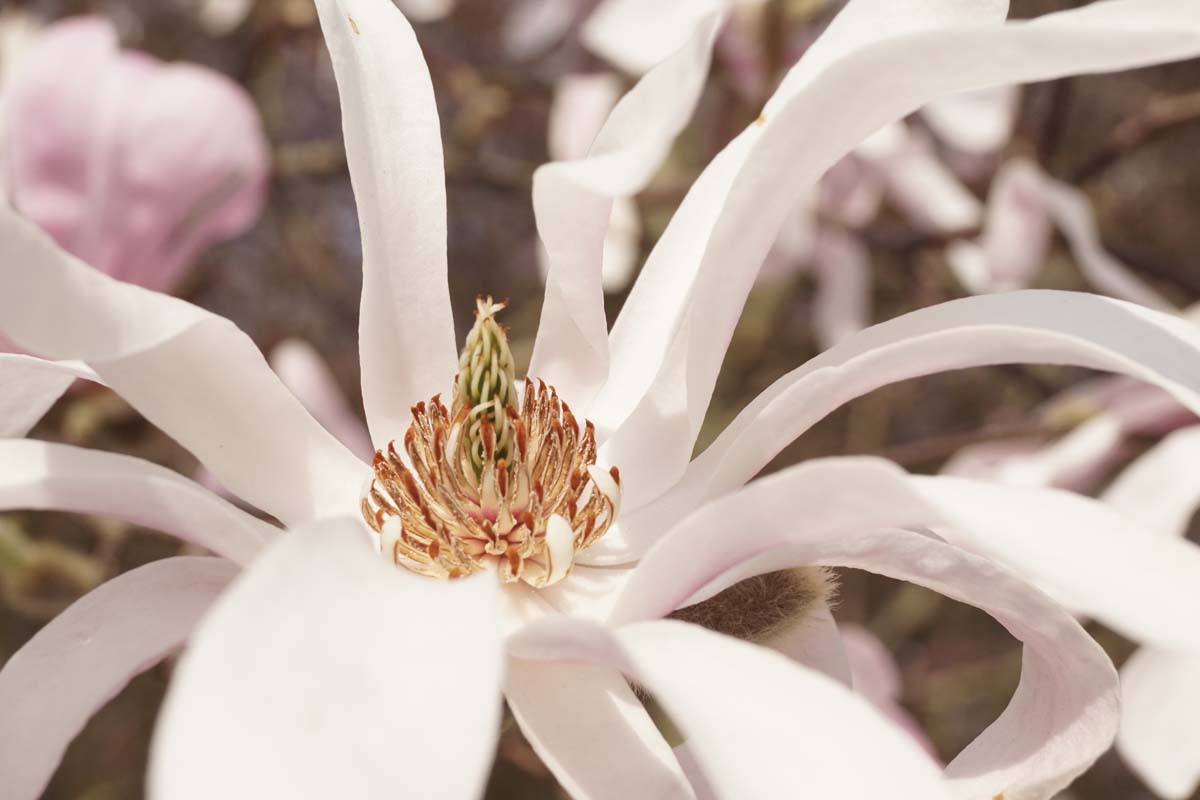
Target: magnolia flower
<point>340,662</point>
<point>133,165</point>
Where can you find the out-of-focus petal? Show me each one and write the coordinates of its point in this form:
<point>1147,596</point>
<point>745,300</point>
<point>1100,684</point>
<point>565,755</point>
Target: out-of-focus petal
<point>324,672</point>
<point>581,105</point>
<point>877,678</point>
<point>815,642</point>
<point>31,386</point>
<point>83,657</point>
<point>221,17</point>
<point>668,347</point>
<point>842,302</point>
<point>191,373</point>
<point>573,204</point>
<point>592,731</point>
<point>58,477</point>
<point>133,165</point>
<point>394,148</point>
<point>746,711</point>
<point>635,36</point>
<point>531,27</point>
<point>1030,326</point>
<point>1065,710</point>
<point>307,376</point>
<point>1160,693</point>
<point>920,186</point>
<point>977,122</point>
<point>1161,489</point>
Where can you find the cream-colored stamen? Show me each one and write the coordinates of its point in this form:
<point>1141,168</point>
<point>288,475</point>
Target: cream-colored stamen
<point>490,482</point>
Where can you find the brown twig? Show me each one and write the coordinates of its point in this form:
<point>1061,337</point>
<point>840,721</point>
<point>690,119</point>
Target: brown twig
<point>1157,116</point>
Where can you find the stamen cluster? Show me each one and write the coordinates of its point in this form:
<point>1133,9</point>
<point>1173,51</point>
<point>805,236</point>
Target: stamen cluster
<point>488,481</point>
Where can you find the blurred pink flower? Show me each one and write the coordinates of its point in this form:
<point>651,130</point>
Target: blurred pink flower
<point>323,670</point>
<point>133,165</point>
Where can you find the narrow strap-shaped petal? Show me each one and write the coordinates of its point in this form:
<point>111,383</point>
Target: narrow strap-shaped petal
<point>394,149</point>
<point>58,477</point>
<point>678,353</point>
<point>324,672</point>
<point>308,377</point>
<point>83,657</point>
<point>1033,326</point>
<point>592,732</point>
<point>190,372</point>
<point>30,386</point>
<point>573,201</point>
<point>1160,694</point>
<point>1065,710</point>
<point>758,724</point>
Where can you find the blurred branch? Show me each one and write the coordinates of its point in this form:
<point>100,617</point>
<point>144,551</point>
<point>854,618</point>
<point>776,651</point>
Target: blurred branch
<point>939,448</point>
<point>1158,116</point>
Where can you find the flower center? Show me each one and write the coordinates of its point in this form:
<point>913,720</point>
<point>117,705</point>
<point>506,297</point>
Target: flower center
<point>490,482</point>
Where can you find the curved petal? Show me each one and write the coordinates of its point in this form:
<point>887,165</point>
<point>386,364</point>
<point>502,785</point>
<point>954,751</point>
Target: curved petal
<point>394,148</point>
<point>669,347</point>
<point>58,477</point>
<point>573,202</point>
<point>324,672</point>
<point>83,657</point>
<point>747,711</point>
<point>1160,490</point>
<point>877,678</point>
<point>635,36</point>
<point>1045,327</point>
<point>31,386</point>
<point>191,373</point>
<point>1065,710</point>
<point>590,729</point>
<point>977,122</point>
<point>816,643</point>
<point>1160,694</point>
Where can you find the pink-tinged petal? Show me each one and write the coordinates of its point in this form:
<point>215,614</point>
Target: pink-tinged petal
<point>877,678</point>
<point>978,122</point>
<point>325,672</point>
<point>307,376</point>
<point>1045,327</point>
<point>31,386</point>
<point>394,148</point>
<point>133,165</point>
<point>921,187</point>
<point>190,372</point>
<point>829,102</point>
<point>1160,694</point>
<point>1160,490</point>
<point>573,202</point>
<point>1076,461</point>
<point>590,729</point>
<point>425,10</point>
<point>58,477</point>
<point>1065,709</point>
<point>1090,558</point>
<point>83,657</point>
<point>694,773</point>
<point>531,27</point>
<point>842,302</point>
<point>816,643</point>
<point>748,711</point>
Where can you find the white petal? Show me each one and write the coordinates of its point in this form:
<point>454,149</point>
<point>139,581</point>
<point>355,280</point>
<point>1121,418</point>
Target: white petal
<point>1030,326</point>
<point>842,302</point>
<point>1160,694</point>
<point>1064,712</point>
<point>307,376</point>
<point>1160,490</point>
<point>425,10</point>
<point>816,643</point>
<point>58,477</point>
<point>31,386</point>
<point>978,122</point>
<point>394,149</point>
<point>83,657</point>
<point>829,102</point>
<point>590,729</point>
<point>324,672</point>
<point>758,724</point>
<point>191,373</point>
<point>635,36</point>
<point>573,201</point>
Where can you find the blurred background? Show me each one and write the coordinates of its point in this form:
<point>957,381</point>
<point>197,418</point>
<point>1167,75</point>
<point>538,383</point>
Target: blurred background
<point>1126,142</point>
